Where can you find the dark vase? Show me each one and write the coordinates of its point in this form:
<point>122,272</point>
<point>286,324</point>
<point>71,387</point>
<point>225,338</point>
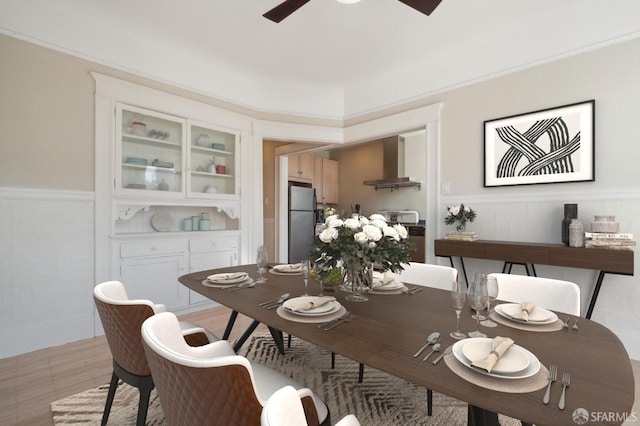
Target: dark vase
<point>570,212</point>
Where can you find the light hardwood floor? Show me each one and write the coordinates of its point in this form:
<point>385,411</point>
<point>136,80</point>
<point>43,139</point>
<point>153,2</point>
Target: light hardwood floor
<point>30,382</point>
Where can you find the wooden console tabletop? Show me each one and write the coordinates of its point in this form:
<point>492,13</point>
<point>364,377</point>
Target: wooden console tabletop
<point>513,252</point>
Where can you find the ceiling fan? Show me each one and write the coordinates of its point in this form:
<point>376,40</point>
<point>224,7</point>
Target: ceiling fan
<point>287,7</point>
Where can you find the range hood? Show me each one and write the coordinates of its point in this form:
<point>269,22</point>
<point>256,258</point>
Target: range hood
<point>393,166</point>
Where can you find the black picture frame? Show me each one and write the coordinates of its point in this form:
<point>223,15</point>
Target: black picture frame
<point>553,145</point>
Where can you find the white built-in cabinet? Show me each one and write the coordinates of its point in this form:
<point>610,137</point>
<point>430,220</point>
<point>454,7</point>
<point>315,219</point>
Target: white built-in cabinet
<point>168,168</point>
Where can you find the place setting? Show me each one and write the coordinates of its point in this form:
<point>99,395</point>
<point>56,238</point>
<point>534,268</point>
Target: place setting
<point>311,309</point>
<point>386,283</point>
<point>228,280</point>
<point>287,269</point>
<point>526,316</point>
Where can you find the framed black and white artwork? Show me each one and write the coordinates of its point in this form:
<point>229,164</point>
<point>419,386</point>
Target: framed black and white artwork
<point>547,146</point>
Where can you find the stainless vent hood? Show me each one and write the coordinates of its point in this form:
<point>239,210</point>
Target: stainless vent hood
<point>392,166</point>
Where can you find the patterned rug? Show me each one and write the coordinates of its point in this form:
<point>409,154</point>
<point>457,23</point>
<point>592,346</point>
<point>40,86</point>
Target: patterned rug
<point>380,400</point>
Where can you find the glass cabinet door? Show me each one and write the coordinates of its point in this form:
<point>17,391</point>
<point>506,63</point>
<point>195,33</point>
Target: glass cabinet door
<point>149,152</point>
<point>212,162</point>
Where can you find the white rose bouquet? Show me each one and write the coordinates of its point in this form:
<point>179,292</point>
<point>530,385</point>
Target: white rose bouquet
<point>359,242</point>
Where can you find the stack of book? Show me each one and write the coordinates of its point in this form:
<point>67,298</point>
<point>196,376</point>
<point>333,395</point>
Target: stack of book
<point>608,240</point>
<point>461,236</point>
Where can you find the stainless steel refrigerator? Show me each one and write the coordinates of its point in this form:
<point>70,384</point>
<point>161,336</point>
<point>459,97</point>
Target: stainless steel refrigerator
<point>302,204</point>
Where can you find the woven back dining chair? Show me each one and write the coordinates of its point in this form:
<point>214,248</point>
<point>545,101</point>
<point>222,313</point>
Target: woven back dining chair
<point>556,295</point>
<point>210,384</point>
<point>121,319</point>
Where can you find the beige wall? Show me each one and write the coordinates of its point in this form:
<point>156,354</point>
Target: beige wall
<point>46,119</point>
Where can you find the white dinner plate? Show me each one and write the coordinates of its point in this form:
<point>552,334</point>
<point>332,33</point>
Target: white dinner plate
<point>288,269</point>
<point>161,222</point>
<point>326,309</point>
<point>227,278</point>
<point>513,360</point>
<point>533,368</point>
<point>208,283</point>
<point>539,316</point>
<point>393,285</point>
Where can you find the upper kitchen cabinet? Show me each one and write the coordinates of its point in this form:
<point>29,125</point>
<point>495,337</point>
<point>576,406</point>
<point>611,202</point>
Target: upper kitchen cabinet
<point>301,167</point>
<point>160,156</point>
<point>325,180</point>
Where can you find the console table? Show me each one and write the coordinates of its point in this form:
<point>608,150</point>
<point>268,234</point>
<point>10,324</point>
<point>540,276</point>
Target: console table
<point>513,252</point>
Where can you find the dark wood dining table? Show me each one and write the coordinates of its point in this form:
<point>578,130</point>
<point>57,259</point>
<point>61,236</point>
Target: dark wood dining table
<point>388,329</point>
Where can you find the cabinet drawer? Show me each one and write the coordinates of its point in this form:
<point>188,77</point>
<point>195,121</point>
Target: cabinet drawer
<point>150,248</point>
<point>217,243</point>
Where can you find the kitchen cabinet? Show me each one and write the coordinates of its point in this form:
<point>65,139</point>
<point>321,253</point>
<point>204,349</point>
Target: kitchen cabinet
<point>160,156</point>
<point>301,167</point>
<point>325,180</point>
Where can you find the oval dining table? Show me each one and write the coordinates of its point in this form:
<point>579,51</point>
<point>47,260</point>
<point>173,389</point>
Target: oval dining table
<point>388,329</point>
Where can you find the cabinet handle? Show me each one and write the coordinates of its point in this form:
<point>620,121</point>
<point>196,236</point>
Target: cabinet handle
<point>154,248</point>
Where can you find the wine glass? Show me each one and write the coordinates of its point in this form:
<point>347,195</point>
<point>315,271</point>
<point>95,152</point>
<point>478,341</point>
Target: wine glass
<point>492,292</point>
<point>262,258</point>
<point>478,276</point>
<point>478,299</point>
<point>316,273</point>
<point>306,266</point>
<point>458,295</point>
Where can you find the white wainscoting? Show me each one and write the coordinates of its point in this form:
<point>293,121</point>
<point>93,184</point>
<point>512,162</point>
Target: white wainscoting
<point>46,268</point>
<point>537,218</point>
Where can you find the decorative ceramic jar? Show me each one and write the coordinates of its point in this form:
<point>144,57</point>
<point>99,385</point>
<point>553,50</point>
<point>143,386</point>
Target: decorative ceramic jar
<point>576,233</point>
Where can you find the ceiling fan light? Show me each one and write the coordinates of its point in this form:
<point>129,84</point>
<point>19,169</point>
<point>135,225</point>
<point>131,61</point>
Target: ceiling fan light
<point>348,1</point>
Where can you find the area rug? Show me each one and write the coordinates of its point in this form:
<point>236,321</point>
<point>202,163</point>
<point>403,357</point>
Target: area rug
<point>380,399</point>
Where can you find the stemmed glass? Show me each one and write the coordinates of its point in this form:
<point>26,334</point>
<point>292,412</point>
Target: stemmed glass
<point>492,292</point>
<point>478,276</point>
<point>478,299</point>
<point>306,266</point>
<point>315,273</point>
<point>262,258</point>
<point>458,295</point>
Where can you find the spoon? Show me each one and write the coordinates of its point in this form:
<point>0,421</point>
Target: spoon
<point>250,285</point>
<point>278,300</point>
<point>435,348</point>
<point>432,338</point>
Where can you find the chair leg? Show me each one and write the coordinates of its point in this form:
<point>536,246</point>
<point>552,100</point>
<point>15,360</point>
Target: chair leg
<point>429,402</point>
<point>146,386</point>
<point>333,360</point>
<point>112,392</point>
<point>360,372</point>
<point>289,341</point>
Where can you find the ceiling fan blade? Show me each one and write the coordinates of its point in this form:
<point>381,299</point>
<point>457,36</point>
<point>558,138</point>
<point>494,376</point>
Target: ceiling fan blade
<point>284,9</point>
<point>424,6</point>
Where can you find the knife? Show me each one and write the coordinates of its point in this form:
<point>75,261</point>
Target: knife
<point>446,352</point>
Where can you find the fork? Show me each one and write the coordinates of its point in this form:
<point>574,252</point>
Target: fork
<point>566,381</point>
<point>337,323</point>
<point>552,376</point>
<point>328,323</point>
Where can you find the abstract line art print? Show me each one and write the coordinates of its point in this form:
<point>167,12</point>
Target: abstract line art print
<point>547,146</point>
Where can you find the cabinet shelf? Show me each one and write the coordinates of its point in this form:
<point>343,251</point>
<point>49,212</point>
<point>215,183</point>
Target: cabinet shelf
<point>210,150</point>
<point>150,141</point>
<point>151,168</point>
<point>207,174</point>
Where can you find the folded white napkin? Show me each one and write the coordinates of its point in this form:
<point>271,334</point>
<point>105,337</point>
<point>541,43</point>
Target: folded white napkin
<point>227,276</point>
<point>310,304</point>
<point>499,346</point>
<point>294,267</point>
<point>382,280</point>
<point>525,310</point>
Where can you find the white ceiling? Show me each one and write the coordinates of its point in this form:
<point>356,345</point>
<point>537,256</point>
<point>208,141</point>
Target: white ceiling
<point>327,60</point>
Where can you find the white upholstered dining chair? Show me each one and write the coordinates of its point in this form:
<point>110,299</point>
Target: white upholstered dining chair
<point>284,408</point>
<point>212,385</point>
<point>428,275</point>
<point>556,295</point>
